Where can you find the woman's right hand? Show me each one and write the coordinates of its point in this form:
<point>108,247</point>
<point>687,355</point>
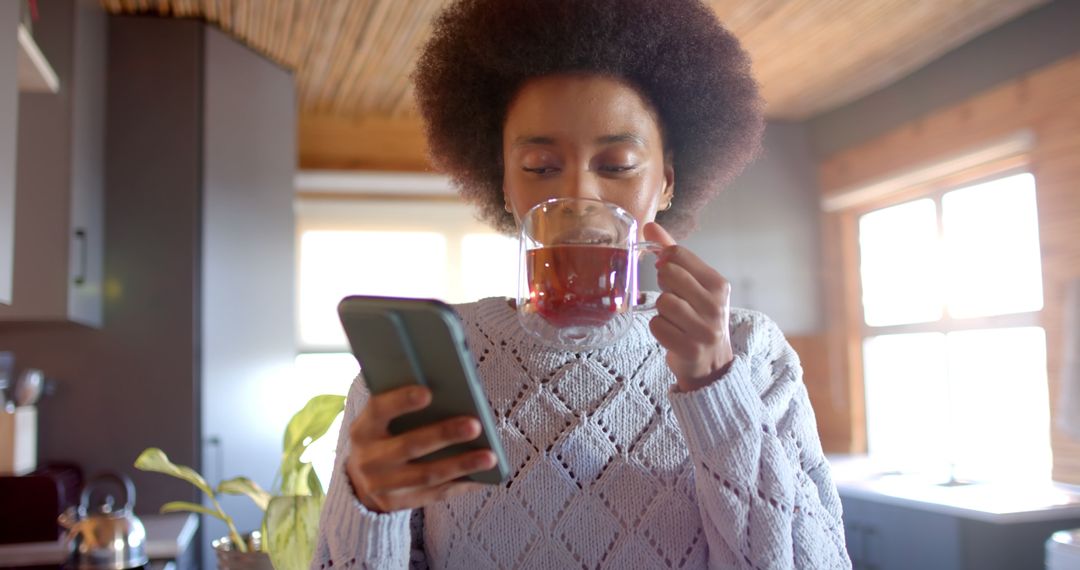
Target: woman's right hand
<point>379,466</point>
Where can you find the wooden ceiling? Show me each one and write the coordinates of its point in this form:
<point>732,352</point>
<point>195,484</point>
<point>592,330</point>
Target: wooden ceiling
<point>352,58</point>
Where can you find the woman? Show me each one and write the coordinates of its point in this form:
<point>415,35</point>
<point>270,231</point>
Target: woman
<point>690,443</point>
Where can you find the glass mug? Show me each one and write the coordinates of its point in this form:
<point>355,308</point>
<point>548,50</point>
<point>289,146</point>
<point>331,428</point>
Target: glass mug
<point>578,272</point>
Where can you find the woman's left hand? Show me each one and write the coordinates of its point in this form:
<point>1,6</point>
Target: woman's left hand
<point>693,312</point>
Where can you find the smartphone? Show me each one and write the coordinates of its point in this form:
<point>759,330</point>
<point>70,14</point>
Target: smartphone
<point>401,342</point>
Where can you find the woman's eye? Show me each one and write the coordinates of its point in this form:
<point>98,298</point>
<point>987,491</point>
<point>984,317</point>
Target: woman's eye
<point>618,167</point>
<point>540,169</point>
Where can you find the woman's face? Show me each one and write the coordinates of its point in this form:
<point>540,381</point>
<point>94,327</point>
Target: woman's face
<point>585,136</point>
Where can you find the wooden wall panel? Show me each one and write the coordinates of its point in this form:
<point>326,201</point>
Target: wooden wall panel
<point>833,416</point>
<point>1046,103</point>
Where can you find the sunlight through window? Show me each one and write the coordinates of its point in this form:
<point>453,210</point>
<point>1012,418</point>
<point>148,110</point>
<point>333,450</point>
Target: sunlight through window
<point>488,263</point>
<point>991,238</point>
<point>899,248</point>
<point>334,264</point>
<point>944,396</point>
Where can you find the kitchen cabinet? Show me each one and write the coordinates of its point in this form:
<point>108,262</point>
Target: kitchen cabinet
<point>198,339</point>
<point>886,537</point>
<point>58,255</point>
<point>9,108</point>
<point>26,70</point>
<point>882,535</point>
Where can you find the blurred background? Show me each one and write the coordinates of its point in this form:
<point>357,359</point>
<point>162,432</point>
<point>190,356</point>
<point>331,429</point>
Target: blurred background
<point>188,188</point>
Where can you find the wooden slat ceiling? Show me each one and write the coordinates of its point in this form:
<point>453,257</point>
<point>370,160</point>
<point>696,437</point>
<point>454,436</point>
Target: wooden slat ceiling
<point>352,58</point>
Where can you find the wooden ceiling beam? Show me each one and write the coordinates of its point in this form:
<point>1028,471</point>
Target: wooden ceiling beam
<point>353,57</point>
<point>333,143</point>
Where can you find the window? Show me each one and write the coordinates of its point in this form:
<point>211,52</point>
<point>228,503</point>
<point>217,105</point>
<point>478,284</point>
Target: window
<point>954,361</point>
<point>401,248</point>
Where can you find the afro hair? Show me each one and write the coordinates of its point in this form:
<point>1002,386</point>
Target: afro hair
<point>674,52</point>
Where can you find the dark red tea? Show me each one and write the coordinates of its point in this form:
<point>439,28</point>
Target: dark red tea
<point>577,285</point>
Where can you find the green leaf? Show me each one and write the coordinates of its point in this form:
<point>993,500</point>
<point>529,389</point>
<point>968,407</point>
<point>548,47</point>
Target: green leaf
<point>308,425</point>
<point>292,525</point>
<point>314,485</point>
<point>155,460</point>
<point>245,486</point>
<point>296,481</point>
<point>178,506</point>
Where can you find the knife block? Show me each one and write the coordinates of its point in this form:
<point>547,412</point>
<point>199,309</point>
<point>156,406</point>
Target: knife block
<point>18,440</point>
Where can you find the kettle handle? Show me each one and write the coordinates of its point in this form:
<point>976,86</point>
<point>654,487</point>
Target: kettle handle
<point>120,479</point>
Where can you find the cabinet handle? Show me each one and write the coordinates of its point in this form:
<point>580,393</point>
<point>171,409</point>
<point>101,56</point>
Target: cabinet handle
<point>80,275</point>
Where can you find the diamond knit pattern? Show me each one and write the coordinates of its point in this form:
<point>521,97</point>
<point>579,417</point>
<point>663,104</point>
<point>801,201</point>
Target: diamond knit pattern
<point>593,451</point>
<point>610,468</point>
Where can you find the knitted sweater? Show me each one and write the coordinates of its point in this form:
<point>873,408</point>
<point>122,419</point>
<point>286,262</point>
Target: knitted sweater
<point>613,467</point>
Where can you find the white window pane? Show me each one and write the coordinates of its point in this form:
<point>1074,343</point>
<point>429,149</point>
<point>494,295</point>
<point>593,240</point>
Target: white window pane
<point>992,248</point>
<point>900,264</point>
<point>334,264</point>
<point>907,400</point>
<point>488,266</point>
<point>1001,418</point>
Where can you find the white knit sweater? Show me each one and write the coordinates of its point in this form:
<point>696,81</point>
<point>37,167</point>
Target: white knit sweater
<point>614,468</point>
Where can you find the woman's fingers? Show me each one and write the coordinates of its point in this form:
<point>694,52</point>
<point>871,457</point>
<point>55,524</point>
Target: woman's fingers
<point>692,313</point>
<point>669,335</point>
<point>413,499</point>
<point>680,314</point>
<point>381,467</point>
<point>382,408</point>
<point>417,477</point>
<point>681,272</point>
<point>653,231</point>
<point>422,441</point>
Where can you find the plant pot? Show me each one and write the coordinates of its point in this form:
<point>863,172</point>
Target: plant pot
<point>228,558</point>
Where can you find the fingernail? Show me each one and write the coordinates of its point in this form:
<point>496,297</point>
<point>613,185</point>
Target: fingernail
<point>467,428</point>
<point>484,461</point>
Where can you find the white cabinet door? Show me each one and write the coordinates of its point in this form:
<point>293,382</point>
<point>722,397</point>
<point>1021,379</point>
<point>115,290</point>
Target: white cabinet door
<point>87,226</point>
<point>58,254</point>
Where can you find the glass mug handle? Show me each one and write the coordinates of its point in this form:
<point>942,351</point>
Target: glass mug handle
<point>643,247</point>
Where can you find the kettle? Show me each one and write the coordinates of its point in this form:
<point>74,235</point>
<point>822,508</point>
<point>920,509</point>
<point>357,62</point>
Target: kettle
<point>105,537</point>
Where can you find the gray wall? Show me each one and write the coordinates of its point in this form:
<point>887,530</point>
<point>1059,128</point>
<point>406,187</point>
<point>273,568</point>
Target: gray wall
<point>248,269</point>
<point>762,234</point>
<point>134,383</point>
<point>1021,46</point>
<point>9,114</point>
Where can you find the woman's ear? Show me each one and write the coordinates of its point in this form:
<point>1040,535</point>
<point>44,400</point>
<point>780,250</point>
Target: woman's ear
<point>669,178</point>
<point>506,202</point>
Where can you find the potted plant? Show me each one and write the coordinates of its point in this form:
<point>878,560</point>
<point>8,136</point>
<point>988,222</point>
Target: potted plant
<point>291,517</point>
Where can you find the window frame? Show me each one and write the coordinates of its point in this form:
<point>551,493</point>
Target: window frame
<point>936,191</point>
<point>340,214</point>
<point>840,236</point>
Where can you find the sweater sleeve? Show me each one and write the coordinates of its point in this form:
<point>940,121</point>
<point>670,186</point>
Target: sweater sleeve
<point>764,488</point>
<point>350,535</point>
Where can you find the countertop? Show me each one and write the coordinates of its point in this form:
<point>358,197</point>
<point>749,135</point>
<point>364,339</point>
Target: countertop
<point>995,502</point>
<point>167,536</point>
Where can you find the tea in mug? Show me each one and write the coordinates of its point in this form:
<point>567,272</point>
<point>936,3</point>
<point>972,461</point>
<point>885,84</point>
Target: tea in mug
<point>577,285</point>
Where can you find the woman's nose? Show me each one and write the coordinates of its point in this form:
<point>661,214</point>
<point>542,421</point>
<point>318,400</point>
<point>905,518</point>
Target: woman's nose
<point>581,184</point>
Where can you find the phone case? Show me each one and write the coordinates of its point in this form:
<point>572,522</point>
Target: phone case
<point>399,342</point>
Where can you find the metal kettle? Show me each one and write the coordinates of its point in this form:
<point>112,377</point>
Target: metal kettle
<point>105,537</point>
